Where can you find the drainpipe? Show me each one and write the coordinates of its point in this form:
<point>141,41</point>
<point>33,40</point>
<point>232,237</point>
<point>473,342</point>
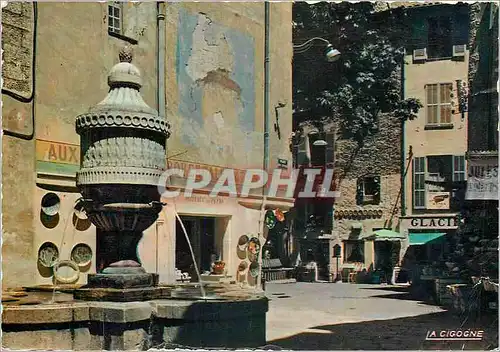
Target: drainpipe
<point>403,141</point>
<point>160,8</point>
<point>266,87</point>
<point>266,128</point>
<point>160,76</point>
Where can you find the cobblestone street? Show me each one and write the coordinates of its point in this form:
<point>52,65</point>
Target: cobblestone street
<point>326,316</point>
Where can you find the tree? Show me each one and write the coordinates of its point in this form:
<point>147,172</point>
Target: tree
<point>366,81</point>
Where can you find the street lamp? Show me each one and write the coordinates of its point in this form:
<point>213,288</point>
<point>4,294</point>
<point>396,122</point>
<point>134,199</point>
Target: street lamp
<point>320,143</point>
<point>331,53</point>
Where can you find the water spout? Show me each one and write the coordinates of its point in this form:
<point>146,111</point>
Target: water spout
<point>203,295</point>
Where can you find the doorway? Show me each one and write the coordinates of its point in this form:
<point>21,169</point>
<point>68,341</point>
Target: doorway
<point>201,233</point>
<point>386,255</point>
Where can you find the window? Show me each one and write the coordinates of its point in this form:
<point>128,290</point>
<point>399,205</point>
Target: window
<point>439,103</point>
<point>322,149</point>
<point>439,38</point>
<point>419,183</point>
<point>459,168</point>
<point>440,171</point>
<point>115,17</point>
<point>368,190</point>
<point>458,175</point>
<point>354,252</point>
<point>301,150</point>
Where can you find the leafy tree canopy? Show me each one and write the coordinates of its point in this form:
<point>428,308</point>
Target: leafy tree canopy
<point>366,81</point>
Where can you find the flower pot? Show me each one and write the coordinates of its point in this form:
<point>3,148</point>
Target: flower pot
<point>218,268</point>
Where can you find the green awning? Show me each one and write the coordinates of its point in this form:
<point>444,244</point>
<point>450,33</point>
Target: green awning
<point>423,238</point>
<point>387,235</point>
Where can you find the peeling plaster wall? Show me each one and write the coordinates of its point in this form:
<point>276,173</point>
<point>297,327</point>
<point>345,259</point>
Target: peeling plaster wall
<point>216,86</point>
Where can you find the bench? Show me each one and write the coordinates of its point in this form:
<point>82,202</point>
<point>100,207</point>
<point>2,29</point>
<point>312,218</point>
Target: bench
<point>273,270</point>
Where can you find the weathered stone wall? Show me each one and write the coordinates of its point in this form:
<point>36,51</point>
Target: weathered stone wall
<point>17,154</point>
<point>483,103</point>
<point>379,153</point>
<point>17,43</point>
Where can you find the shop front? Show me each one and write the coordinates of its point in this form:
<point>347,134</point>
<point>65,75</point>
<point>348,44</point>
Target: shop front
<point>227,235</point>
<point>430,238</point>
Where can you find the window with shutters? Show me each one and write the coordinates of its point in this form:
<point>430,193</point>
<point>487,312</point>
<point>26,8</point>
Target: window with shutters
<point>439,170</point>
<point>438,100</point>
<point>434,175</point>
<point>439,38</point>
<point>419,183</point>
<point>368,190</point>
<point>458,175</point>
<point>300,147</point>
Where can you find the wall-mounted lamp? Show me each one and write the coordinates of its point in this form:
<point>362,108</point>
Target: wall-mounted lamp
<point>320,142</point>
<point>331,53</point>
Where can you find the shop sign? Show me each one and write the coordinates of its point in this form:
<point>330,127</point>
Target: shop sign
<point>57,152</point>
<point>206,200</point>
<point>482,180</point>
<point>57,157</point>
<point>438,200</point>
<point>433,223</point>
<point>215,171</point>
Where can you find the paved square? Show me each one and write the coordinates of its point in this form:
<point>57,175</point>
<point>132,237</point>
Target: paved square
<point>326,316</point>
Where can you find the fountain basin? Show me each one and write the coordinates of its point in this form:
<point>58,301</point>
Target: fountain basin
<point>231,319</point>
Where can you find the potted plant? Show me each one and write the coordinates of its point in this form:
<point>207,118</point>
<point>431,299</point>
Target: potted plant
<point>218,267</point>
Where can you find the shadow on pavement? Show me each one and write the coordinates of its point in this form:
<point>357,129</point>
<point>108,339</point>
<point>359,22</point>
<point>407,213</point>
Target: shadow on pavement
<point>407,293</point>
<point>408,297</point>
<point>395,334</point>
<point>388,288</point>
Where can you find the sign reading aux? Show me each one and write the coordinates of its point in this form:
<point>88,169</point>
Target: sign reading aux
<point>482,180</point>
<point>56,152</point>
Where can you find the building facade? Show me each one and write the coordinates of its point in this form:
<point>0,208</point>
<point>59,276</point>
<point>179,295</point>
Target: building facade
<point>369,186</point>
<point>435,143</point>
<point>202,65</point>
<point>367,177</point>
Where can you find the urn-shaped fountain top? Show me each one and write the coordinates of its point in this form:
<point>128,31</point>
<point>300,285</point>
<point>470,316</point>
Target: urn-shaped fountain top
<point>123,98</point>
<point>123,153</point>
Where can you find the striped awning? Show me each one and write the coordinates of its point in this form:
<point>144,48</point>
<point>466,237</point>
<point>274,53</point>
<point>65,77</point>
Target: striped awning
<point>387,235</point>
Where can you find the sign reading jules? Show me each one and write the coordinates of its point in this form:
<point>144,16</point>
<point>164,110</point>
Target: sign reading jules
<point>482,181</point>
<point>449,222</point>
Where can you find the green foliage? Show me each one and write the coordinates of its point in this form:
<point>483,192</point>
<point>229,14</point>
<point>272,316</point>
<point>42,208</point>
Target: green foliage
<point>366,81</point>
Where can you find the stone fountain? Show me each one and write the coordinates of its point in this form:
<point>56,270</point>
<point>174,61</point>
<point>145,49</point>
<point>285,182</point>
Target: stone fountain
<point>123,154</point>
